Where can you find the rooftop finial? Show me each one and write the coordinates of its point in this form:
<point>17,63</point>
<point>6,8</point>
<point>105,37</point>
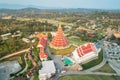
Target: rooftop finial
<point>59,25</point>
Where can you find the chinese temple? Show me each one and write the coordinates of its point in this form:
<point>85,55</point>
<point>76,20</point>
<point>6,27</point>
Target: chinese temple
<point>85,53</point>
<point>59,41</point>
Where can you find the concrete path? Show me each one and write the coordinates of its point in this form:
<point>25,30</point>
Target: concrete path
<point>13,54</point>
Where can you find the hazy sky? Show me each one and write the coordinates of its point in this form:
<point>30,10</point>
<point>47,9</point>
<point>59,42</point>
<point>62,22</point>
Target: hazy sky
<point>101,4</point>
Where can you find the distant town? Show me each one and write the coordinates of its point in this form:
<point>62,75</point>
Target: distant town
<point>59,44</point>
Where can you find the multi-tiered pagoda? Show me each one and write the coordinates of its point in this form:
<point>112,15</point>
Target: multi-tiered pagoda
<point>59,41</point>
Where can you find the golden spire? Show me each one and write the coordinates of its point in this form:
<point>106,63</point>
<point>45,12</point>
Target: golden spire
<point>59,25</point>
<point>59,32</point>
<point>59,39</point>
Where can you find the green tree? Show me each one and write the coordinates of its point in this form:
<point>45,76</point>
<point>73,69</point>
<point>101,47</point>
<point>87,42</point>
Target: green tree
<point>49,35</point>
<point>0,39</point>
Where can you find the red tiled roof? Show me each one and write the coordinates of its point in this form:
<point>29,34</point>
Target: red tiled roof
<point>41,35</point>
<point>59,40</point>
<point>117,35</point>
<point>41,49</point>
<point>42,42</point>
<point>79,52</point>
<point>82,50</point>
<point>43,55</point>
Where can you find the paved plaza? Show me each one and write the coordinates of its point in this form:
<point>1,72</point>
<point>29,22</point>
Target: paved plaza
<point>7,68</point>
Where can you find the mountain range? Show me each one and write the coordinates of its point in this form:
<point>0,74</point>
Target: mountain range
<point>17,7</point>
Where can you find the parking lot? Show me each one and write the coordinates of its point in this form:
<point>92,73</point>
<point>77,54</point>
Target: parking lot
<point>7,68</point>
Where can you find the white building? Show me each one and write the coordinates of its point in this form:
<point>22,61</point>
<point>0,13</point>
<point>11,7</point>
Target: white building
<point>47,70</point>
<point>17,35</point>
<point>67,27</point>
<point>85,53</point>
<point>5,36</point>
<point>26,40</point>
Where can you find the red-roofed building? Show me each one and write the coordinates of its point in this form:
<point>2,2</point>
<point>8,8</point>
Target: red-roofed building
<point>42,45</point>
<point>85,53</point>
<point>43,56</point>
<point>41,35</point>
<point>42,42</point>
<point>59,41</point>
<point>117,35</point>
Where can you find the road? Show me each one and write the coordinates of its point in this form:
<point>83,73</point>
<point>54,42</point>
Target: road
<point>84,73</point>
<point>57,60</point>
<point>26,65</point>
<point>99,45</point>
<point>115,64</point>
<point>99,65</point>
<point>89,71</point>
<point>60,66</point>
<point>15,53</point>
<point>58,63</point>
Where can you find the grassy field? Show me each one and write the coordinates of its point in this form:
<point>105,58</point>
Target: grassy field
<point>63,51</point>
<point>88,77</point>
<point>76,40</point>
<point>106,68</point>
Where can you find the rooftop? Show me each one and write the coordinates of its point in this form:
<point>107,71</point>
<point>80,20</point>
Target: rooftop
<point>59,40</point>
<point>85,49</point>
<point>47,67</point>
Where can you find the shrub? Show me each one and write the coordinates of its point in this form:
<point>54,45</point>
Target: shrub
<point>93,62</point>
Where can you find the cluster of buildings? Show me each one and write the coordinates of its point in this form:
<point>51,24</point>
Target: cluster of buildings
<point>48,68</point>
<point>113,51</point>
<point>113,32</point>
<point>81,54</point>
<point>7,35</point>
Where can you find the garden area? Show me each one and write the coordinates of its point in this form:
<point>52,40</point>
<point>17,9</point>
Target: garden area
<point>12,45</point>
<point>88,77</point>
<point>63,51</point>
<point>76,40</point>
<point>106,68</point>
<point>93,62</point>
<point>19,58</point>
